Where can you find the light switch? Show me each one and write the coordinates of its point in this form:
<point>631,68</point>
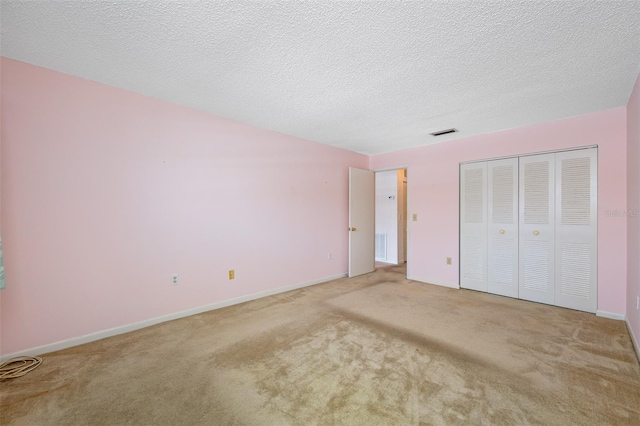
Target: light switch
<point>415,217</point>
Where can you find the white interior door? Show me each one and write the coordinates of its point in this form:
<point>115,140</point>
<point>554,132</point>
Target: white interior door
<point>473,226</point>
<point>503,227</point>
<point>536,228</point>
<point>361,221</point>
<point>576,230</point>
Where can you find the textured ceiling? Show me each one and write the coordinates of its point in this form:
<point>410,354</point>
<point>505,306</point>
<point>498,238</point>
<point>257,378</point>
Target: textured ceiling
<point>371,77</point>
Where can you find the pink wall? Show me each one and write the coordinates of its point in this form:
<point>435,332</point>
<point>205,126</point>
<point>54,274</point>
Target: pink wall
<point>433,193</point>
<point>1,138</point>
<point>107,193</point>
<point>633,205</point>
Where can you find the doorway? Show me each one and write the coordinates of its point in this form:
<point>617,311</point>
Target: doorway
<point>391,218</point>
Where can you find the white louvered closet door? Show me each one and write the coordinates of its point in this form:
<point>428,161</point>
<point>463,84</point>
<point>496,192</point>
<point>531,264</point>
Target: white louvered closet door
<point>536,228</point>
<point>576,230</point>
<point>503,227</point>
<point>473,226</point>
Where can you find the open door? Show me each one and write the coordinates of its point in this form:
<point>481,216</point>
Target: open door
<point>361,222</point>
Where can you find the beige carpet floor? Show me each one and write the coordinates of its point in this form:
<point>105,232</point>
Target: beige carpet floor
<point>374,350</point>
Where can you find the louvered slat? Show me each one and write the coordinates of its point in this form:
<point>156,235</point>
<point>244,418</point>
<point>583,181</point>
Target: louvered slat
<point>575,269</point>
<point>503,258</point>
<point>536,265</point>
<point>474,196</point>
<point>502,194</point>
<point>576,191</point>
<point>536,193</point>
<point>473,263</point>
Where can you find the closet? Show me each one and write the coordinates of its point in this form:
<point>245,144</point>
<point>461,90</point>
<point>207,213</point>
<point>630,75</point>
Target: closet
<point>528,228</point>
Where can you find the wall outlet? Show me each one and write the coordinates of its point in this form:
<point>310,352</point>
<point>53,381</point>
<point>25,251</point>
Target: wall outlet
<point>328,256</point>
<point>448,261</point>
<point>232,274</point>
<point>175,279</point>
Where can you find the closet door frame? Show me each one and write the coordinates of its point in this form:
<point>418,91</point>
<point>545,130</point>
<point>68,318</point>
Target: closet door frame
<point>526,231</point>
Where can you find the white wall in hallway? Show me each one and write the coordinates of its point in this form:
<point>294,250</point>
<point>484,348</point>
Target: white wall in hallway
<point>387,212</point>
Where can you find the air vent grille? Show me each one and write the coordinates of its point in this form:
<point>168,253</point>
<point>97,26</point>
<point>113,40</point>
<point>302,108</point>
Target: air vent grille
<point>381,247</point>
<point>444,132</point>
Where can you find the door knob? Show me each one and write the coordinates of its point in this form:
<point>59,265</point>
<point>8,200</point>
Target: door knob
<point>536,232</point>
<point>353,229</point>
<point>502,231</point>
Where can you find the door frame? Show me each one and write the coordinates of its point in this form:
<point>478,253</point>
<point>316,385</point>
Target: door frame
<point>408,240</point>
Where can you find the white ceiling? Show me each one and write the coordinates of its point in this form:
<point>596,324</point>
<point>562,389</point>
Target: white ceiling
<point>371,77</point>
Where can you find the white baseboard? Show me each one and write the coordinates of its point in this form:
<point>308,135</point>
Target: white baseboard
<point>434,282</point>
<point>92,337</point>
<point>611,315</point>
<point>634,340</point>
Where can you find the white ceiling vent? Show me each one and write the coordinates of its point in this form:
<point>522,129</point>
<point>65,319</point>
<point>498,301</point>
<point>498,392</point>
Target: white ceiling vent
<point>443,132</point>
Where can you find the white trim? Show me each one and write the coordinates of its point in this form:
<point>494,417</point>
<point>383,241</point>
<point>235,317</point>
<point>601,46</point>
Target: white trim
<point>636,346</point>
<point>388,169</point>
<point>530,154</point>
<point>92,337</point>
<point>434,282</point>
<point>611,315</point>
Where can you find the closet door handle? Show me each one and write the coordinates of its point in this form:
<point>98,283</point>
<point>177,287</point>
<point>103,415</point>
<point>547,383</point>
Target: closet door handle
<point>536,232</point>
<point>502,231</point>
